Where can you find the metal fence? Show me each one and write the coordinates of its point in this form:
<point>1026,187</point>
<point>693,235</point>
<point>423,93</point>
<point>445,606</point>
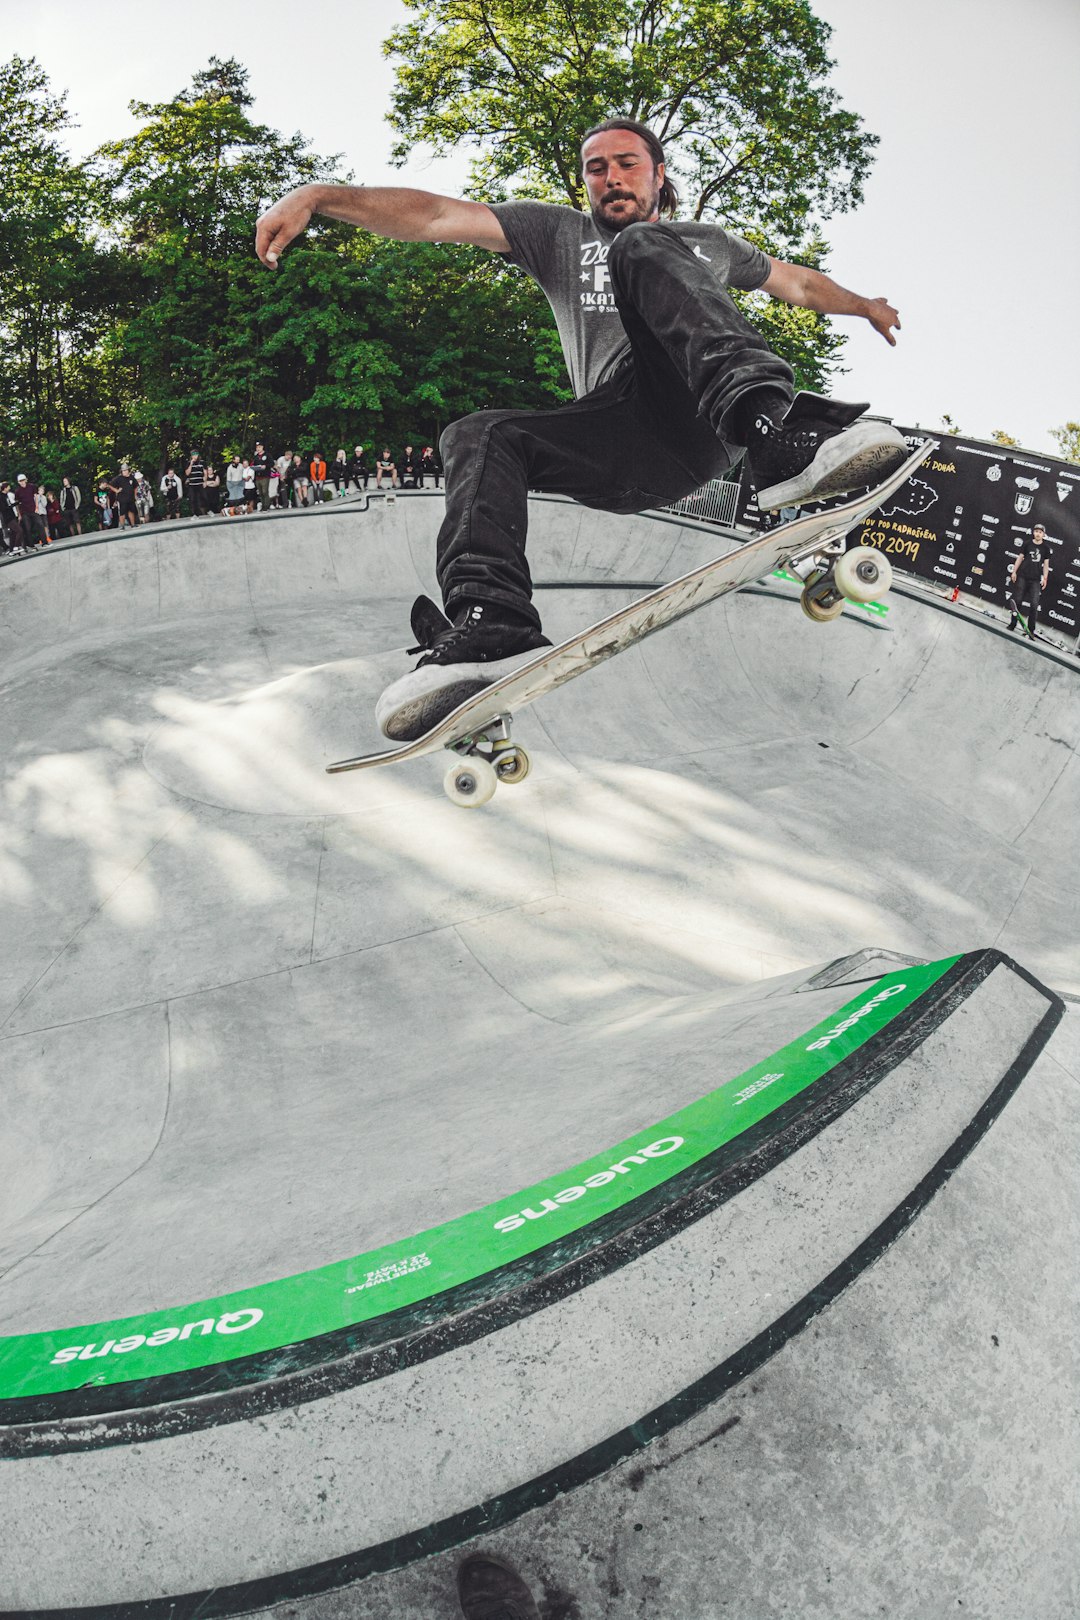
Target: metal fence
<point>714,502</point>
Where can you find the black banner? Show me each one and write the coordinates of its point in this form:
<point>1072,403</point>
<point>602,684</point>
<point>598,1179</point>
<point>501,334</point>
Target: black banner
<point>962,517</point>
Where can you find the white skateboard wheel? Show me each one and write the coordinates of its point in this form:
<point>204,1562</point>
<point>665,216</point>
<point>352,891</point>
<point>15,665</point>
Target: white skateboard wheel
<point>862,574</point>
<point>470,782</point>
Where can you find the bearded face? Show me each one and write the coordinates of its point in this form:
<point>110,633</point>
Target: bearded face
<point>621,178</point>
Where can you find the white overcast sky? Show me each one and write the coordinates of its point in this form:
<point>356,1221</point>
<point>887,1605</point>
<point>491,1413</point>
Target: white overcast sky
<point>971,223</point>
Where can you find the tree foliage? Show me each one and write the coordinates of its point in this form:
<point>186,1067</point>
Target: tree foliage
<point>736,90</point>
<point>136,322</point>
<point>54,293</point>
<point>1067,439</point>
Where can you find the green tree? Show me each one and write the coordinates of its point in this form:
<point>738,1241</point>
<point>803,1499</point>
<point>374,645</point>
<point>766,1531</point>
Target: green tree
<point>354,336</point>
<point>56,278</point>
<point>735,89</point>
<point>999,436</point>
<point>1067,439</point>
<point>181,196</point>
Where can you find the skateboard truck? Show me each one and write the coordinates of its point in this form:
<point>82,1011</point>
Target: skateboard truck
<point>832,576</point>
<point>487,757</point>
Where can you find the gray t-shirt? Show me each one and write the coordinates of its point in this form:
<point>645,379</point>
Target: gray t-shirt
<point>566,252</point>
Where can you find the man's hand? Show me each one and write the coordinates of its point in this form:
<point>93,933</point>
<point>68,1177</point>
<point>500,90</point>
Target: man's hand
<point>882,318</point>
<point>810,289</point>
<point>282,223</point>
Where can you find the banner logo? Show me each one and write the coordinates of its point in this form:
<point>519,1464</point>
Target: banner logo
<point>231,1322</point>
<point>569,1195</point>
<point>842,1028</point>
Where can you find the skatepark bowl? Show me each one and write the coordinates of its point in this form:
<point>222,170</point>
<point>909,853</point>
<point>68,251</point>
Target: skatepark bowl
<point>662,1177</point>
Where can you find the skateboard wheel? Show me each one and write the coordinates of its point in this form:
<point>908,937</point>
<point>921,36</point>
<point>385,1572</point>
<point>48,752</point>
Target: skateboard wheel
<point>862,574</point>
<point>512,765</point>
<point>470,782</point>
<point>820,612</point>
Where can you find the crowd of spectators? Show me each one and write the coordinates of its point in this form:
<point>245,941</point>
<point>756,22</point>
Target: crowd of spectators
<point>31,517</point>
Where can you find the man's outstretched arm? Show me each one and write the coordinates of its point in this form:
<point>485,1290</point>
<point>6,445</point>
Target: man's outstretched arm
<point>809,289</point>
<point>395,211</point>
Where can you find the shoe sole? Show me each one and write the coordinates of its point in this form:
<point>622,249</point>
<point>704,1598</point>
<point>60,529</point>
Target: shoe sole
<point>863,454</point>
<point>419,701</point>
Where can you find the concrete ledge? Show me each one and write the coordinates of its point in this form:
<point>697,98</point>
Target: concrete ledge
<point>539,1377</point>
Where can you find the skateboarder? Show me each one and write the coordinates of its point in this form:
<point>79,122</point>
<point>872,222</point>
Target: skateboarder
<point>672,385</point>
<point>1032,569</point>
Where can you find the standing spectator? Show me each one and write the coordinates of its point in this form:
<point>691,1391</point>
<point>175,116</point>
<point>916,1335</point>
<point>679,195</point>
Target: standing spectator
<point>249,486</point>
<point>144,497</point>
<point>430,465</point>
<point>122,488</point>
<point>385,464</point>
<point>104,506</point>
<point>41,517</point>
<point>172,491</point>
<point>339,472</point>
<point>318,477</point>
<point>54,518</point>
<point>9,518</point>
<point>212,491</point>
<point>359,471</point>
<point>411,472</point>
<point>1032,568</point>
<point>234,485</point>
<point>273,484</point>
<point>283,463</point>
<point>26,501</point>
<point>70,505</point>
<point>299,481</point>
<point>195,475</point>
<point>261,465</point>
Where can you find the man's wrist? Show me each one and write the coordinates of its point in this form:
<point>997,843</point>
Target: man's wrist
<point>312,196</point>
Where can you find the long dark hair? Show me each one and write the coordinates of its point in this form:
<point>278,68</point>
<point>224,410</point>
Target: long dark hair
<point>669,196</point>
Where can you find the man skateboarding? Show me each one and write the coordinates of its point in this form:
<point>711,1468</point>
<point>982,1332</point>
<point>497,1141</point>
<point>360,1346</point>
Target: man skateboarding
<point>672,385</point>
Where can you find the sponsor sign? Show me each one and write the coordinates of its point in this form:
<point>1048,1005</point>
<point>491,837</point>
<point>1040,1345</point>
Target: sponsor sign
<point>417,1268</point>
<point>964,515</point>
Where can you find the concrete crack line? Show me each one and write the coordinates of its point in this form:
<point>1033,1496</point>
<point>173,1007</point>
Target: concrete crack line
<point>135,1171</point>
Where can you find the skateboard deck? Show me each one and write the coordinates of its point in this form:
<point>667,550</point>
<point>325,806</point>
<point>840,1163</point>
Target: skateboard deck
<point>804,537</point>
<point>1029,628</point>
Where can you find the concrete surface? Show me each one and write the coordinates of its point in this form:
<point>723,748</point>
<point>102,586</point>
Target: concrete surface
<point>255,1018</point>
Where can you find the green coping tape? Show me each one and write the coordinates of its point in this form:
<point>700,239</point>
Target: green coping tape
<point>414,1268</point>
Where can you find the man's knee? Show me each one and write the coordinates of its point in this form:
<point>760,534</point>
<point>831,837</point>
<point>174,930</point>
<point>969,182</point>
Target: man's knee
<point>639,243</point>
<point>468,435</point>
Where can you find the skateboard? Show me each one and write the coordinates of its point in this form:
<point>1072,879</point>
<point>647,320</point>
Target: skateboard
<point>1029,629</point>
<point>478,731</point>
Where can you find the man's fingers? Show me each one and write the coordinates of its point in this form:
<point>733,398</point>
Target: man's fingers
<point>270,243</point>
<point>273,235</point>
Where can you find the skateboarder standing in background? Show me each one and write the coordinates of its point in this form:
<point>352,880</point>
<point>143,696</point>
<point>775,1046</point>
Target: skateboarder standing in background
<point>672,385</point>
<point>1032,568</point>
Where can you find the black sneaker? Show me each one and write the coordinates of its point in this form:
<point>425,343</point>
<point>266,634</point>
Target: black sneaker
<point>482,632</point>
<point>822,447</point>
<point>459,659</point>
<point>490,1590</point>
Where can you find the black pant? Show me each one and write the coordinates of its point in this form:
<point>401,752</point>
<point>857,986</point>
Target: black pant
<point>659,428</point>
<point>197,498</point>
<point>1026,591</point>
